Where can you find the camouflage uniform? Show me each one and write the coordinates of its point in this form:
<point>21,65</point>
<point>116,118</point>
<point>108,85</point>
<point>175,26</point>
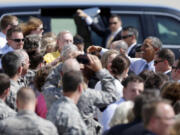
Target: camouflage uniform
<point>27,79</point>
<point>27,123</point>
<point>11,99</point>
<point>51,89</point>
<point>5,111</point>
<point>90,99</point>
<point>65,115</point>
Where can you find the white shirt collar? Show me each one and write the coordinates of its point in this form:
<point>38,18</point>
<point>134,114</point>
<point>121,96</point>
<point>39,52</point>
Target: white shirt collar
<point>167,71</point>
<point>116,32</point>
<point>131,46</point>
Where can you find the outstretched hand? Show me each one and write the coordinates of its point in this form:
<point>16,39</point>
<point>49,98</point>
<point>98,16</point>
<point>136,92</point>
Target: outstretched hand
<point>94,63</point>
<point>81,13</point>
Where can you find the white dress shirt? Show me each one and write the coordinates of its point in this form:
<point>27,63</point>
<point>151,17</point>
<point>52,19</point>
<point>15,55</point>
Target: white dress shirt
<point>108,114</point>
<point>105,117</point>
<point>3,40</point>
<point>5,50</point>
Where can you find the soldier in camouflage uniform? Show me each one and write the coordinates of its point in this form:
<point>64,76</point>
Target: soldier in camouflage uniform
<point>5,111</point>
<point>52,89</point>
<point>91,98</point>
<point>26,122</point>
<point>12,66</point>
<point>64,112</point>
<point>27,75</point>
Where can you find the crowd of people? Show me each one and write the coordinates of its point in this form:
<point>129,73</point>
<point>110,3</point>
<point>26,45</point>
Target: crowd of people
<point>50,85</point>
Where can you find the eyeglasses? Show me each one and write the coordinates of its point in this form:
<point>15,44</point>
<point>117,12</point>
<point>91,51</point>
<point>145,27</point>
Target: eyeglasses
<point>111,23</point>
<point>173,67</point>
<point>126,36</point>
<point>17,40</point>
<point>157,61</point>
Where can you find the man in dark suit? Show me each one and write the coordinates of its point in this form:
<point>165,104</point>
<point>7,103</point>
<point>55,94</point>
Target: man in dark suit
<point>110,34</point>
<point>163,61</point>
<point>130,35</point>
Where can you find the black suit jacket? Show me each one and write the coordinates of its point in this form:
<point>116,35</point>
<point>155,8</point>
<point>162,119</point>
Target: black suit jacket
<point>104,33</point>
<point>137,129</point>
<point>133,51</point>
<point>118,129</point>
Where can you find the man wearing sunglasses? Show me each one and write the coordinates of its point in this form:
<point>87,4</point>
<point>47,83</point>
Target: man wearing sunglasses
<point>110,34</point>
<point>15,40</point>
<point>163,61</point>
<point>130,35</point>
<point>6,23</point>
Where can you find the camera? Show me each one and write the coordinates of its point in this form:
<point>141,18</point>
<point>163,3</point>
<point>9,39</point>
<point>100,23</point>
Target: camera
<point>83,58</point>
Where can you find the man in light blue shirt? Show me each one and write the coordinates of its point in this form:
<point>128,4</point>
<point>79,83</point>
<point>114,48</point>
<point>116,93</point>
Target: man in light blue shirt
<point>150,47</point>
<point>133,86</point>
<point>15,40</point>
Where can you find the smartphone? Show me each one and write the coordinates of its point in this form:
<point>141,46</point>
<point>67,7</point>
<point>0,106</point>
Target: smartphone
<point>83,58</point>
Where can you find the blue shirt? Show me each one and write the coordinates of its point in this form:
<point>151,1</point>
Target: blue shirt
<point>108,113</point>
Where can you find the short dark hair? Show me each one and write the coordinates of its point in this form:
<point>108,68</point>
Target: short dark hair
<point>155,81</point>
<point>143,99</point>
<point>131,30</point>
<point>115,15</point>
<point>132,78</point>
<point>119,64</point>
<point>35,59</point>
<point>172,92</point>
<point>145,74</point>
<point>78,39</point>
<point>4,83</point>
<point>71,80</point>
<point>11,62</point>
<point>13,30</point>
<point>166,54</point>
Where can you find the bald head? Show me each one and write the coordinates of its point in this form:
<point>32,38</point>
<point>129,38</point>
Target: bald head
<point>120,46</point>
<point>26,99</point>
<point>70,65</point>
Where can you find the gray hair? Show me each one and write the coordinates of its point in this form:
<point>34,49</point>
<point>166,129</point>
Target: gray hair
<point>60,34</point>
<point>67,51</point>
<point>22,55</point>
<point>156,42</point>
<point>120,44</point>
<point>32,41</point>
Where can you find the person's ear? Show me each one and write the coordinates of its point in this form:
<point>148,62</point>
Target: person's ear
<point>20,69</point>
<point>6,92</point>
<point>80,88</point>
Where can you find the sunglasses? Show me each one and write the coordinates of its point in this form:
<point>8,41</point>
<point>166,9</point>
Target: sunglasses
<point>157,61</point>
<point>126,36</point>
<point>173,67</point>
<point>17,40</point>
<point>111,23</point>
